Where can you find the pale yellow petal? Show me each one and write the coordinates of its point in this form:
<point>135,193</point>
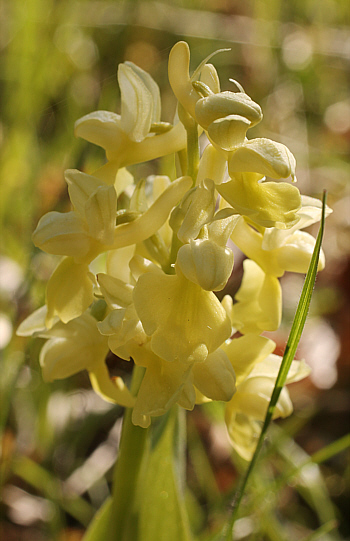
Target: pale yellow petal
<point>117,262</point>
<point>100,214</point>
<point>265,157</point>
<point>79,346</point>
<point>80,187</point>
<point>140,101</point>
<point>62,234</point>
<point>148,224</point>
<point>102,128</point>
<point>259,303</point>
<point>136,103</point>
<point>215,377</point>
<point>206,263</point>
<point>200,211</point>
<point>160,389</point>
<point>213,164</point>
<point>179,77</point>
<point>246,351</point>
<point>69,291</point>
<point>269,204</point>
<point>253,396</point>
<point>112,390</point>
<point>34,323</point>
<point>225,104</point>
<point>296,252</point>
<point>115,291</point>
<point>250,242</point>
<point>243,431</point>
<point>229,132</point>
<point>171,307</point>
<point>271,365</point>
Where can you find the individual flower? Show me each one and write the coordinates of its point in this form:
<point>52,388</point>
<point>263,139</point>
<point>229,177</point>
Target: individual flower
<point>267,204</point>
<point>172,378</point>
<point>278,251</point>
<point>256,369</point>
<point>171,307</point>
<point>74,347</point>
<point>136,135</point>
<point>166,383</point>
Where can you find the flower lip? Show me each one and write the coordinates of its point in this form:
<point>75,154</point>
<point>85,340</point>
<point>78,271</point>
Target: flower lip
<point>226,103</point>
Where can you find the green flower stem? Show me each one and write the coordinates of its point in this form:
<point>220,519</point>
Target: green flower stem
<point>191,128</point>
<point>131,451</point>
<point>192,151</point>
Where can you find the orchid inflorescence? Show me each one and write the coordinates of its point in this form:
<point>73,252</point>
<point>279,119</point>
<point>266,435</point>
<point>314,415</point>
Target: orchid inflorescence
<point>162,248</point>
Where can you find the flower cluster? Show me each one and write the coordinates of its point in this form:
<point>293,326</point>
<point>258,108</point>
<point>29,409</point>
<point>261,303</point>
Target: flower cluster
<point>162,248</point>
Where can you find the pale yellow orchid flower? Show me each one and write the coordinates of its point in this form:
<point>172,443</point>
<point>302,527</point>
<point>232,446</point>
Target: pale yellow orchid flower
<point>170,307</point>
<point>166,383</point>
<point>74,347</point>
<point>278,251</point>
<point>267,204</point>
<point>89,228</point>
<point>137,135</point>
<point>255,382</point>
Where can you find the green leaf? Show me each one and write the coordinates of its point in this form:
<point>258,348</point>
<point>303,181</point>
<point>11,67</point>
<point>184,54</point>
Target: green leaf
<point>99,527</point>
<point>291,347</point>
<point>162,512</point>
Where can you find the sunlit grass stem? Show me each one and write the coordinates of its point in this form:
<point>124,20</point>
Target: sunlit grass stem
<point>292,344</point>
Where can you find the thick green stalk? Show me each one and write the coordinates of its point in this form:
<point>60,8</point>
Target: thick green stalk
<point>126,472</point>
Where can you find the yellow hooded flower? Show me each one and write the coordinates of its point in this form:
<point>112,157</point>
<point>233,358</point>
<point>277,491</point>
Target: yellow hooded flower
<point>89,228</point>
<point>207,261</point>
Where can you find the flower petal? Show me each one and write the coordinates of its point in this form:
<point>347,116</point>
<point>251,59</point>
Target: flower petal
<point>69,291</point>
<point>215,377</point>
<point>79,347</point>
<point>263,156</point>
<point>100,212</point>
<point>62,234</point>
<point>246,351</point>
<point>259,303</point>
<point>200,211</point>
<point>185,322</point>
<point>136,101</point>
<point>148,224</point>
<point>112,390</point>
<point>206,263</point>
<point>269,204</point>
<point>160,388</point>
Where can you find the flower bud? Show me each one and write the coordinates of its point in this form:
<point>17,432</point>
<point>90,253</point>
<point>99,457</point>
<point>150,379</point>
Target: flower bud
<point>206,264</point>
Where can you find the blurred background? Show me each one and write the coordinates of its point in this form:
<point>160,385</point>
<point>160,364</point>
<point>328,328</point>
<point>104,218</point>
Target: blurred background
<point>58,62</point>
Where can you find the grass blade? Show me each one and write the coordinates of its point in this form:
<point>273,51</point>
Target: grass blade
<point>292,344</point>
